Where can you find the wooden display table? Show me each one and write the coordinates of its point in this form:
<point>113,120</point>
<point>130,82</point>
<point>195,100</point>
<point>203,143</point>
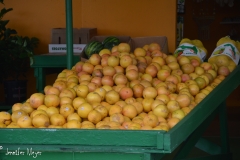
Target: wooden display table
<point>107,144</point>
<point>45,62</point>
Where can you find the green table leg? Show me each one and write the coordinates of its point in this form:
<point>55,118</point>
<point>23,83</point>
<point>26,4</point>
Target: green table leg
<point>214,151</point>
<point>224,128</point>
<point>69,28</point>
<point>39,73</point>
<point>190,142</point>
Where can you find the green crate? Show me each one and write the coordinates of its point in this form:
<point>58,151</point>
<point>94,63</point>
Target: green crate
<point>127,144</point>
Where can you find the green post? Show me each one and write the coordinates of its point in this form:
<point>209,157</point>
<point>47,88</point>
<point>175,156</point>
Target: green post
<point>224,128</point>
<point>69,34</point>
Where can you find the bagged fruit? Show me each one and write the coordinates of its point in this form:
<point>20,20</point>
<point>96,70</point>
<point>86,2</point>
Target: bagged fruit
<point>226,53</point>
<point>193,49</point>
<point>225,39</point>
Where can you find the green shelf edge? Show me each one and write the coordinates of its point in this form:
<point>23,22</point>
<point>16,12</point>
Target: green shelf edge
<point>52,61</point>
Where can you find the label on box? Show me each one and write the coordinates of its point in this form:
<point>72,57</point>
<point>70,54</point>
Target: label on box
<point>62,48</point>
<point>187,49</point>
<point>229,50</point>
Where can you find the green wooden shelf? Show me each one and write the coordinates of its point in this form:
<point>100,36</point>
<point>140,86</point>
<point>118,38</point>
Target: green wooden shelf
<point>44,63</point>
<point>79,144</point>
<point>5,107</point>
<point>53,60</point>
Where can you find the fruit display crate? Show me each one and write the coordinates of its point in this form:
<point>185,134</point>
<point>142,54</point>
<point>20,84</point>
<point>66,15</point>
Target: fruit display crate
<point>127,144</point>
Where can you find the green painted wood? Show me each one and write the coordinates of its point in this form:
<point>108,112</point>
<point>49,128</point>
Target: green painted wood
<point>212,157</point>
<point>224,128</point>
<point>36,73</point>
<point>79,148</point>
<point>125,140</point>
<point>106,156</point>
<point>4,107</point>
<point>157,156</point>
<point>52,60</point>
<point>160,140</point>
<point>194,137</point>
<point>73,156</point>
<point>43,156</point>
<point>204,109</point>
<point>208,146</point>
<point>147,141</point>
<point>80,137</point>
<point>69,33</point>
<point>147,156</point>
<point>43,62</point>
<point>40,75</point>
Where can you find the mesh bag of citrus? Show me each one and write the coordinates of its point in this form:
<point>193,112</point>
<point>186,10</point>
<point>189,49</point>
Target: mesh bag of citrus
<point>193,49</point>
<point>226,53</point>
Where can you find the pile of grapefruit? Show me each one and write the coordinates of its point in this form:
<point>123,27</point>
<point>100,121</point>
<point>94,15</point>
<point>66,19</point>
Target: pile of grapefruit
<point>116,89</point>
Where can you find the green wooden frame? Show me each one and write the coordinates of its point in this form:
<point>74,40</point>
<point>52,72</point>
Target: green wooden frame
<point>127,144</point>
<point>186,134</point>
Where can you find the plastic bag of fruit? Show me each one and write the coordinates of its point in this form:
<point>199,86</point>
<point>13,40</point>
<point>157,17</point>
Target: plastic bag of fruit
<point>193,49</point>
<point>226,53</point>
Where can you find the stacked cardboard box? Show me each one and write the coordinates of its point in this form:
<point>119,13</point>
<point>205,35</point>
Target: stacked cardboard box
<point>80,38</point>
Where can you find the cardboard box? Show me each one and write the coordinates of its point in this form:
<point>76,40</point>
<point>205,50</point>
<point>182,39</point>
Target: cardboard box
<point>61,48</point>
<point>59,36</point>
<point>86,34</point>
<point>125,39</point>
<point>141,41</point>
<point>80,38</point>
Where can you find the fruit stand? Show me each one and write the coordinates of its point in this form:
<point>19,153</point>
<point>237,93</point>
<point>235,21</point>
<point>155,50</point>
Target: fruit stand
<point>122,144</point>
<point>111,144</point>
